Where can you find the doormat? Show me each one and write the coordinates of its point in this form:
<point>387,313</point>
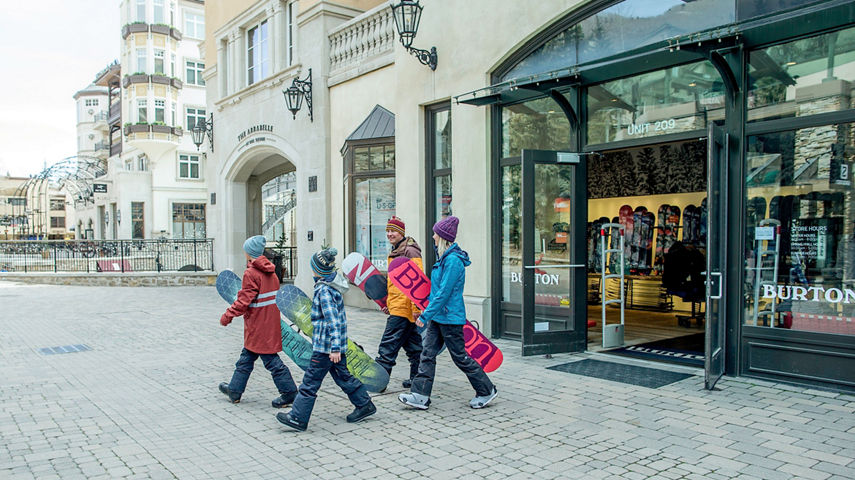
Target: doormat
<point>619,372</point>
<point>685,350</point>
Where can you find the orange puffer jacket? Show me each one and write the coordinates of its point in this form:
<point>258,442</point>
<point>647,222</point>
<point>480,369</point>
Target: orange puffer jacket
<point>396,301</point>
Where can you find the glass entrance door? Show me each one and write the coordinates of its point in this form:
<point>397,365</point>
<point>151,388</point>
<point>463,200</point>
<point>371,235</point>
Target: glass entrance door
<point>717,155</point>
<point>553,252</point>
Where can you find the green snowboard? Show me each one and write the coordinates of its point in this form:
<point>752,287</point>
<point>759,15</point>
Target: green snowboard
<point>297,306</point>
<point>293,344</point>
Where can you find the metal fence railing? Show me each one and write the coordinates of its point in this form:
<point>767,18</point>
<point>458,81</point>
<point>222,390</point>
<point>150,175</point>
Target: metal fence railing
<point>107,255</point>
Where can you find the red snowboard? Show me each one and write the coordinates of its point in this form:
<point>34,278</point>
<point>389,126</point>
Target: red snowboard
<point>362,273</point>
<point>412,281</point>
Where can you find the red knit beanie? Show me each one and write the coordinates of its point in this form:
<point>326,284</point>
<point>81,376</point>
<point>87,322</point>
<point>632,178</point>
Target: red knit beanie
<point>396,224</point>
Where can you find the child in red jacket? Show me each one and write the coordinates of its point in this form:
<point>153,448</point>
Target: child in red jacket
<point>262,336</point>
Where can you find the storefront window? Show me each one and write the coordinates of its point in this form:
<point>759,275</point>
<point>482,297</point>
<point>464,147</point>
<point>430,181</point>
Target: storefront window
<point>622,27</point>
<point>371,185</point>
<point>746,9</point>
<point>805,77</point>
<point>676,99</point>
<point>511,234</point>
<point>374,204</point>
<point>188,220</point>
<point>536,124</point>
<point>800,246</point>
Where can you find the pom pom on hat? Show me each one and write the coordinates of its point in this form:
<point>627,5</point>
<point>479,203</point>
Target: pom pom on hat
<point>396,224</point>
<point>254,246</point>
<point>323,262</point>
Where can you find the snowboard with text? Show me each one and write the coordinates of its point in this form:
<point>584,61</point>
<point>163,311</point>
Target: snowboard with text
<point>362,273</point>
<point>412,282</point>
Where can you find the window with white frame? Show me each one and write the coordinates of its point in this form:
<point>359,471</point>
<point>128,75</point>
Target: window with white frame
<point>290,39</point>
<point>193,116</point>
<point>142,163</point>
<point>129,164</point>
<point>194,25</point>
<point>141,10</point>
<point>141,60</point>
<point>159,111</point>
<point>194,73</point>
<point>188,166</point>
<point>172,66</point>
<point>142,110</point>
<point>173,114</point>
<point>158,12</point>
<point>158,60</point>
<point>257,53</point>
<point>91,102</point>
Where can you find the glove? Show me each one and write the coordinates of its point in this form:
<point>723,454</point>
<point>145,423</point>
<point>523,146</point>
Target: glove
<point>225,320</point>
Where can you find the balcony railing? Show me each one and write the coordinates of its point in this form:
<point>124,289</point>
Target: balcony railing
<point>147,131</point>
<point>140,27</point>
<point>362,44</point>
<point>107,255</point>
<point>115,113</point>
<point>101,146</point>
<point>100,116</point>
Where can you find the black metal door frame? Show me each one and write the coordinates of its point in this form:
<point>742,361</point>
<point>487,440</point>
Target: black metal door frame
<point>575,339</point>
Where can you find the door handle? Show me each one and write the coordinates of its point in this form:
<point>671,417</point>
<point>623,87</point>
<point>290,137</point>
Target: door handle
<point>716,274</point>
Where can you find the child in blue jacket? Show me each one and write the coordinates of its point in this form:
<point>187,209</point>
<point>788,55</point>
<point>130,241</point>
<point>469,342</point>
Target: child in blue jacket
<point>445,317</point>
<point>329,342</point>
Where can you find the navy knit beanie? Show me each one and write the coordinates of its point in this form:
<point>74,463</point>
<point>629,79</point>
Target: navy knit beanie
<point>323,262</point>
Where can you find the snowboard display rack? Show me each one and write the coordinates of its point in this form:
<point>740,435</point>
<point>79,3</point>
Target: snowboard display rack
<point>763,249</point>
<point>613,334</point>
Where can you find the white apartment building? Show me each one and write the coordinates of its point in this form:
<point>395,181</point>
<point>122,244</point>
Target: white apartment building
<point>155,185</point>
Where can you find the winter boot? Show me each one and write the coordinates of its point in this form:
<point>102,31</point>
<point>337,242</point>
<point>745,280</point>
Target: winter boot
<point>360,413</point>
<point>481,402</point>
<point>286,419</point>
<point>415,400</point>
<point>284,400</point>
<point>233,397</point>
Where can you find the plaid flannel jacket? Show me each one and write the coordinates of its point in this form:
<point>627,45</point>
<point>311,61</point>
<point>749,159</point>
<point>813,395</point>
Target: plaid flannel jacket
<point>328,320</point>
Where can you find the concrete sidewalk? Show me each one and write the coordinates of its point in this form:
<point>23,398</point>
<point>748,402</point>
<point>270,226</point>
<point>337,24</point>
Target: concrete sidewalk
<point>143,403</point>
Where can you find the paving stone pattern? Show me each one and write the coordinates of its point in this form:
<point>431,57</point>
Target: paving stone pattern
<point>143,403</point>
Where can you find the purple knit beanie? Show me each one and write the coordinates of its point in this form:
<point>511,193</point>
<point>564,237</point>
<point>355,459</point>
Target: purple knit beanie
<point>447,228</point>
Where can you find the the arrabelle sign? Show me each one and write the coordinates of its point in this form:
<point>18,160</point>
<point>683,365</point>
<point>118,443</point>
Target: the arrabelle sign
<point>254,129</point>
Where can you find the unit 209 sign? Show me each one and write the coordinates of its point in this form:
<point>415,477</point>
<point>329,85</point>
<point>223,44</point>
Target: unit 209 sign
<point>647,127</point>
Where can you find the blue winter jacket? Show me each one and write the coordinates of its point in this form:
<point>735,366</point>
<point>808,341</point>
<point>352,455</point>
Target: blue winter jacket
<point>446,289</point>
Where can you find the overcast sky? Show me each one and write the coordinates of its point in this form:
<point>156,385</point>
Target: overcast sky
<point>50,49</point>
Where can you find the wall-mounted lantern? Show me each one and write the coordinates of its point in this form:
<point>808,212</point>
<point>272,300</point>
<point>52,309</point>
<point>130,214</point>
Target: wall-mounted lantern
<point>295,94</point>
<point>407,14</point>
<point>200,129</point>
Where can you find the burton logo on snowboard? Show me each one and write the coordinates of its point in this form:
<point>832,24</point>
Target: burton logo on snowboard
<point>412,281</point>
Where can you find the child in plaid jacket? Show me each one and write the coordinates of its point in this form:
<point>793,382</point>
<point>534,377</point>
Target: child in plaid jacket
<point>329,342</point>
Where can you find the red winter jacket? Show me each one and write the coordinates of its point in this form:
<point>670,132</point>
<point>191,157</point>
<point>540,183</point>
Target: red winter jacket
<point>256,301</point>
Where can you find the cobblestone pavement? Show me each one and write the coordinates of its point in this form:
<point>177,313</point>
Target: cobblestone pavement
<point>143,403</point>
